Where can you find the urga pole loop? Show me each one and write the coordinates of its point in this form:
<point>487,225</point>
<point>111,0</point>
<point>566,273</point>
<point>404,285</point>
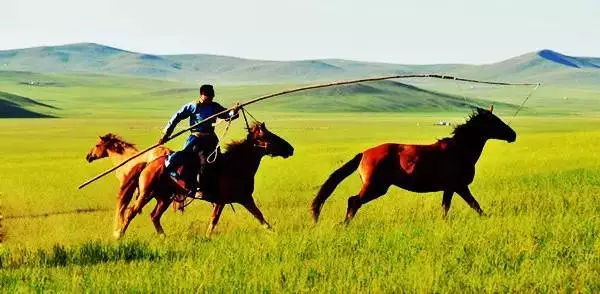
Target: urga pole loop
<point>288,91</point>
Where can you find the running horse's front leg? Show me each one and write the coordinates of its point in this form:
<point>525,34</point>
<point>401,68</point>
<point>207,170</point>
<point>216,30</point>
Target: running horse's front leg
<point>465,193</point>
<point>253,209</point>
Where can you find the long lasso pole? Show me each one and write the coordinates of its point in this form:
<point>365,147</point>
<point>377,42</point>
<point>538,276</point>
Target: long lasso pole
<point>310,87</point>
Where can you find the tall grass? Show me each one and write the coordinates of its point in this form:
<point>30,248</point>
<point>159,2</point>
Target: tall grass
<point>542,194</point>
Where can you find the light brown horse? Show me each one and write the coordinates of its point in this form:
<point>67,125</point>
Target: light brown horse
<point>235,173</point>
<point>447,165</point>
<point>117,150</point>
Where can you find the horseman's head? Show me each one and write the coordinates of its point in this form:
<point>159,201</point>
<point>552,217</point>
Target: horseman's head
<point>207,93</point>
<point>272,144</point>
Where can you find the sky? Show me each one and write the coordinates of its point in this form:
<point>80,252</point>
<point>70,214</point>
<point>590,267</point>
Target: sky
<point>395,31</point>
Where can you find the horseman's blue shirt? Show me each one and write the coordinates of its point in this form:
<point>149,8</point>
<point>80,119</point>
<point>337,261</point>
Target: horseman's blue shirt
<point>197,112</point>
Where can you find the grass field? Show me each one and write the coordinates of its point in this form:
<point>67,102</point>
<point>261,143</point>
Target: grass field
<point>542,194</point>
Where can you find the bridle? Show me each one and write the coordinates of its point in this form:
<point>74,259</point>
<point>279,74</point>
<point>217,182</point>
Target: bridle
<point>262,145</point>
<point>259,144</point>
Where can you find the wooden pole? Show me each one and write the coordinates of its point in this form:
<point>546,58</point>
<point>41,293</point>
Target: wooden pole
<point>310,87</point>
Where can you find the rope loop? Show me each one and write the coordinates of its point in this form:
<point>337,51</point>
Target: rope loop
<point>215,153</point>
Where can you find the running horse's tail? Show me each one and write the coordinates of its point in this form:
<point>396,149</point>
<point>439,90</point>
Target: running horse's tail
<point>332,182</point>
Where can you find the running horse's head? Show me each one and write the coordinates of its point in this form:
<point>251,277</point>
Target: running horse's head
<point>272,144</point>
<point>485,124</point>
<point>106,143</point>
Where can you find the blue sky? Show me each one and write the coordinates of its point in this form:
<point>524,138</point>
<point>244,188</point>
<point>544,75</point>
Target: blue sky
<point>414,32</point>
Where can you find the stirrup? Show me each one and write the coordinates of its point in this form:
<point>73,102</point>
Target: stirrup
<point>178,198</point>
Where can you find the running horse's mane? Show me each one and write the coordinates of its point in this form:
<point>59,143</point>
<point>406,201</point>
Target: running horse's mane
<point>240,144</point>
<point>467,128</point>
<point>116,143</point>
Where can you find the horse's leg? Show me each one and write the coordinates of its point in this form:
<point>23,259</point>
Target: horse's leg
<point>353,206</point>
<point>132,212</point>
<point>125,194</point>
<point>162,203</point>
<point>177,206</point>
<point>214,218</point>
<point>251,206</point>
<point>127,190</point>
<point>145,183</point>
<point>446,200</point>
<point>465,193</point>
<point>368,192</point>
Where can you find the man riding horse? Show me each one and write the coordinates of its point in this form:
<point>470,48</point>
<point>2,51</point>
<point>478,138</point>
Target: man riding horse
<point>199,145</point>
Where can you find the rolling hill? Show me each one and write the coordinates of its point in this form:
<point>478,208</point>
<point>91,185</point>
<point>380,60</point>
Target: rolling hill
<point>546,66</point>
<point>15,106</point>
<point>89,79</point>
<point>382,96</point>
<point>86,95</point>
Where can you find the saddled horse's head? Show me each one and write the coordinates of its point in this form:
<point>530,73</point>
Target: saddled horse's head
<point>271,143</point>
<point>105,143</point>
<point>490,126</point>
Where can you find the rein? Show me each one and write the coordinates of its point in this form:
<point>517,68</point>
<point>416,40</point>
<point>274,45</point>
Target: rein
<point>244,112</point>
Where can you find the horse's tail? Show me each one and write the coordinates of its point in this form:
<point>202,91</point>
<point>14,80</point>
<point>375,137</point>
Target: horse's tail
<point>332,182</point>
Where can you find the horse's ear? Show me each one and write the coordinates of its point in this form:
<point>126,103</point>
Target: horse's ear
<point>491,107</point>
<point>262,125</point>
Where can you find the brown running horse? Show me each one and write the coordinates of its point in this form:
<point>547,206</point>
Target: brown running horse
<point>117,150</point>
<point>234,179</point>
<point>447,165</point>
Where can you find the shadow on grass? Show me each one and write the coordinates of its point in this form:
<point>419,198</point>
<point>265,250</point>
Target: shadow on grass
<point>14,106</point>
<point>47,214</point>
<point>87,254</point>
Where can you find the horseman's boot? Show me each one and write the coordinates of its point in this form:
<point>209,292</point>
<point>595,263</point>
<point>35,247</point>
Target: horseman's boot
<point>178,182</point>
<point>201,179</point>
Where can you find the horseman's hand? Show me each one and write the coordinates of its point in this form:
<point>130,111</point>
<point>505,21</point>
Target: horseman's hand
<point>234,113</point>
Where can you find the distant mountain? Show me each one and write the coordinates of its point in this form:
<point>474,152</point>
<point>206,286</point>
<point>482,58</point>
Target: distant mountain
<point>577,62</point>
<point>544,66</point>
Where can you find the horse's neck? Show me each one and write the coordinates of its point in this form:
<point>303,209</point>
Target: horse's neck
<point>244,160</point>
<point>117,158</point>
<point>469,147</point>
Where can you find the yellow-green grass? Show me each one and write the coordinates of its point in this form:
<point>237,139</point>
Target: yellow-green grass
<point>542,194</point>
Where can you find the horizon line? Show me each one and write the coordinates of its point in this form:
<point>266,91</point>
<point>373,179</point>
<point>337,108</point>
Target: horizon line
<point>284,60</point>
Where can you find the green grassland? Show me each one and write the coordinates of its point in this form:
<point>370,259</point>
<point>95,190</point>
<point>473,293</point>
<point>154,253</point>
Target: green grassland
<point>542,194</point>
